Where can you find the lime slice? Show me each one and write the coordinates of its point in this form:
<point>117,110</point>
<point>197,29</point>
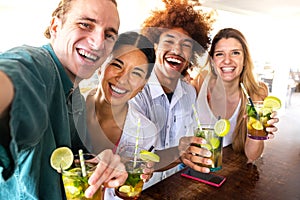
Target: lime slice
<point>149,156</point>
<point>125,188</point>
<point>266,110</point>
<point>272,102</point>
<point>61,158</point>
<point>206,146</point>
<point>251,120</point>
<point>215,143</point>
<point>257,125</point>
<point>222,127</point>
<point>76,170</point>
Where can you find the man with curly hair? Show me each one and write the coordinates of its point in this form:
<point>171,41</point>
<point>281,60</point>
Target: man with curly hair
<point>179,33</point>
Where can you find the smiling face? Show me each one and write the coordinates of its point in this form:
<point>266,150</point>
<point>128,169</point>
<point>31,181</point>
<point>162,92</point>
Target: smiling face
<point>173,53</point>
<point>229,58</point>
<point>124,76</point>
<point>87,36</point>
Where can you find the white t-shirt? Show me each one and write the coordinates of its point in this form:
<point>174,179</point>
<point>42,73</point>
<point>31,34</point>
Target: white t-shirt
<point>206,116</point>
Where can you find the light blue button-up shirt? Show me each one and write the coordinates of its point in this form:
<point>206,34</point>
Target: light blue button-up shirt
<point>173,119</point>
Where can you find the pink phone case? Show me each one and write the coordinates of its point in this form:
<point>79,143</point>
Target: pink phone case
<point>210,179</point>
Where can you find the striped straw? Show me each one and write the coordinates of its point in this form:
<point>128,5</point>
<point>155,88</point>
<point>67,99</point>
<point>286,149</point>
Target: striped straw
<point>81,158</point>
<point>197,118</point>
<point>137,141</point>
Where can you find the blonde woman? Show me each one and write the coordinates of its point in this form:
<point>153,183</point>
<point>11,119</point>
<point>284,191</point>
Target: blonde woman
<point>232,61</point>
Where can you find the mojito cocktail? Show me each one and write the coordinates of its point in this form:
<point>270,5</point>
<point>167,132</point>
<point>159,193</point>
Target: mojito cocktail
<point>75,183</point>
<point>133,186</point>
<point>214,145</point>
<point>257,120</point>
<point>258,115</point>
<point>135,160</point>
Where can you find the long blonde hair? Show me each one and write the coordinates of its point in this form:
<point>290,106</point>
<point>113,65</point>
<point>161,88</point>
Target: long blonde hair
<point>256,90</point>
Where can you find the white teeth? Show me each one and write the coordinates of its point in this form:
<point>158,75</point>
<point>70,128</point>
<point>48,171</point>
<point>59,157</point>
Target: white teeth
<point>118,90</point>
<point>227,69</point>
<point>88,55</point>
<point>173,60</point>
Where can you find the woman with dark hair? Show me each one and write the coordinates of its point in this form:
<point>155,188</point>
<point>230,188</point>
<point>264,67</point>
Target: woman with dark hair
<point>110,115</point>
<point>121,77</point>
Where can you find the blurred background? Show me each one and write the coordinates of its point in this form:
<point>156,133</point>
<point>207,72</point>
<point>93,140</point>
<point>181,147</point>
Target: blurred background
<point>271,28</point>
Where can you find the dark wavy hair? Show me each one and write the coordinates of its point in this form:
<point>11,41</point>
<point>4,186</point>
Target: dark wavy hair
<point>141,42</point>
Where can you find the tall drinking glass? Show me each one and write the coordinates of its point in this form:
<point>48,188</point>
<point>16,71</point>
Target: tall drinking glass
<point>257,120</point>
<point>214,145</point>
<point>133,186</point>
<point>75,183</point>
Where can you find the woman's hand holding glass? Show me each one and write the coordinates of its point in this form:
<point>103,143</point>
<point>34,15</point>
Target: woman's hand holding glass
<point>271,129</point>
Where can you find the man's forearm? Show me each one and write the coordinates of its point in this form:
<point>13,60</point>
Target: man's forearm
<point>169,158</point>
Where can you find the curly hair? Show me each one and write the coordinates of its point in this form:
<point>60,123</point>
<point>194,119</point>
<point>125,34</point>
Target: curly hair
<point>62,9</point>
<point>180,14</point>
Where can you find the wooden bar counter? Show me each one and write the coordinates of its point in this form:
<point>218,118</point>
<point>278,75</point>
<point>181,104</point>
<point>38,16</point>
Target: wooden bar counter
<point>276,175</point>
